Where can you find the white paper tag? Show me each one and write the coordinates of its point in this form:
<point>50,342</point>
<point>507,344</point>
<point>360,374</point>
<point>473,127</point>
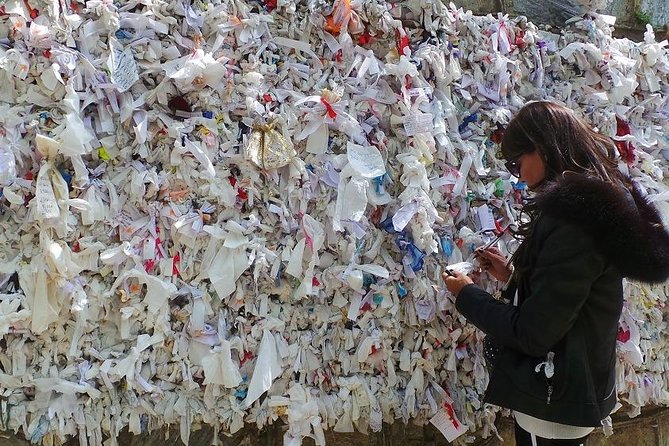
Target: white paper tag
<point>48,147</point>
<point>448,424</point>
<point>486,218</point>
<point>425,309</point>
<point>419,91</point>
<point>124,71</point>
<point>465,268</point>
<point>354,308</point>
<point>317,143</point>
<point>45,199</point>
<point>267,369</point>
<point>418,123</point>
<point>366,161</point>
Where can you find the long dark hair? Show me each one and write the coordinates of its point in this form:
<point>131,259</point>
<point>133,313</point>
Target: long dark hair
<point>566,144</point>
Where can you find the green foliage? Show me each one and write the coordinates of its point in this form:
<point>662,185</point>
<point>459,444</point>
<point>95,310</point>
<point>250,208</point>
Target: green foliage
<point>642,17</point>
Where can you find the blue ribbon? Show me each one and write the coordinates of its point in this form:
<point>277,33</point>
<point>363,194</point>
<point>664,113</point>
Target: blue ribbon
<point>447,246</point>
<point>401,291</point>
<point>122,34</point>
<point>468,120</point>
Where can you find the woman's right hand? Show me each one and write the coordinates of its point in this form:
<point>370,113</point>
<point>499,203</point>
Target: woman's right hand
<point>493,261</point>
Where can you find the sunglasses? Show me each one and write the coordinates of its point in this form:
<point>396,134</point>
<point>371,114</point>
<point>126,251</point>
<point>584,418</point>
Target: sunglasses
<point>513,166</point>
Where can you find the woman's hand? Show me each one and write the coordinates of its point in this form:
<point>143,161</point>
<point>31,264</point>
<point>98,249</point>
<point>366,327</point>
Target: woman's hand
<point>493,261</point>
<point>455,282</point>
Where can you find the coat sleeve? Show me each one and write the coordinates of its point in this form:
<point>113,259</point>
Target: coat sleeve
<point>567,265</point>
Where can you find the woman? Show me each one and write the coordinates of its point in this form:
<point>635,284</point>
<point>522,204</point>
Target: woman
<point>554,339</point>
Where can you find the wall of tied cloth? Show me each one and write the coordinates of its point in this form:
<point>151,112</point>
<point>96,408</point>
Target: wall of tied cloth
<point>231,212</point>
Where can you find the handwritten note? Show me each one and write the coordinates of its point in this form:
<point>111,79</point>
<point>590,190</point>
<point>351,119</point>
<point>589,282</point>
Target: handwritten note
<point>420,91</point>
<point>173,67</point>
<point>486,218</point>
<point>366,161</point>
<point>46,205</point>
<point>418,123</point>
<point>448,424</point>
<point>124,71</point>
<point>425,309</point>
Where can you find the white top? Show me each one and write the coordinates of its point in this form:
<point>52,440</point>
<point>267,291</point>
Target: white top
<point>549,429</point>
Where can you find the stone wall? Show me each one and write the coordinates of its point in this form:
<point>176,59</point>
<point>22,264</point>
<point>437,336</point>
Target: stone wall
<point>631,14</point>
<point>651,428</point>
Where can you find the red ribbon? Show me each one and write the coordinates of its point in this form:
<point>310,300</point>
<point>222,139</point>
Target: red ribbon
<point>149,264</point>
<point>402,43</point>
<point>33,12</point>
<point>364,38</point>
<point>625,148</point>
<point>159,247</point>
<point>175,264</point>
<point>246,357</point>
<point>331,111</point>
<point>451,415</point>
<point>270,5</point>
<point>520,39</point>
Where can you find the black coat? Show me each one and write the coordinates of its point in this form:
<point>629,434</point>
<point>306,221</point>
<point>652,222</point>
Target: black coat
<point>587,237</point>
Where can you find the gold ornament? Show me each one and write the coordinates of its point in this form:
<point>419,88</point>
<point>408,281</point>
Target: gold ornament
<point>267,148</point>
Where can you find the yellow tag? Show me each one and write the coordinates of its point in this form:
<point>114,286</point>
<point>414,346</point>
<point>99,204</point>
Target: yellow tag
<point>425,160</point>
<point>102,153</point>
<point>268,149</point>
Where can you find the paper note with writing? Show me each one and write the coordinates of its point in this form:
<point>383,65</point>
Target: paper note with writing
<point>124,69</point>
<point>418,123</point>
<point>419,91</point>
<point>461,267</point>
<point>46,205</point>
<point>173,67</point>
<point>425,309</point>
<point>448,424</point>
<point>366,161</point>
<point>486,218</point>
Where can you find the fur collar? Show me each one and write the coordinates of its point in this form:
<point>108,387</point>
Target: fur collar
<point>627,229</point>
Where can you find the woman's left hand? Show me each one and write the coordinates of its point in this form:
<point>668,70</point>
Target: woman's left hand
<point>456,282</point>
